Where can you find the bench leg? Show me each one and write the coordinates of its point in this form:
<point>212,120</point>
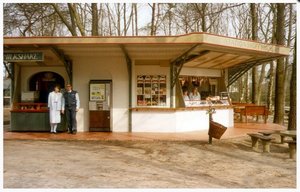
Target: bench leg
<point>266,146</point>
<point>282,139</point>
<point>254,143</point>
<point>292,148</point>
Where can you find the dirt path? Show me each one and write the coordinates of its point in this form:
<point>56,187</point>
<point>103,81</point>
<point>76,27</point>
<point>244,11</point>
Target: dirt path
<point>140,164</point>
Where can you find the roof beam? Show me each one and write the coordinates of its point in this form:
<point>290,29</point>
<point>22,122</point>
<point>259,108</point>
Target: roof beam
<point>67,63</point>
<point>236,72</point>
<point>8,70</point>
<point>178,63</point>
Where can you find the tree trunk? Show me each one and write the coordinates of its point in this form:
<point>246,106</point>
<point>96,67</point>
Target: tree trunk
<point>124,20</point>
<point>260,83</point>
<point>246,87</point>
<point>253,11</point>
<point>270,100</point>
<point>279,82</point>
<point>170,19</point>
<point>101,18</point>
<point>94,20</point>
<point>75,16</point>
<point>240,87</point>
<point>203,24</point>
<point>287,72</point>
<point>119,19</point>
<point>292,125</point>
<point>153,19</point>
<point>132,20</point>
<point>109,19</point>
<point>270,87</point>
<point>136,20</point>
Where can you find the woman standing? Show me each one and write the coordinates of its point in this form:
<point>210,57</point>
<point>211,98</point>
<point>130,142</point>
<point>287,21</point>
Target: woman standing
<point>195,95</point>
<point>55,107</point>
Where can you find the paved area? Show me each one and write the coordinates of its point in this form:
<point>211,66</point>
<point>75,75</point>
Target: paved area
<point>240,129</point>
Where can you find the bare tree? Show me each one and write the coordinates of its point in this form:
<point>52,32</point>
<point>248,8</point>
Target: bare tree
<point>271,76</point>
<point>119,19</point>
<point>95,20</point>
<point>293,94</point>
<point>153,27</point>
<point>265,22</point>
<point>71,26</point>
<point>279,82</point>
<point>136,19</point>
<point>254,19</point>
<point>287,71</point>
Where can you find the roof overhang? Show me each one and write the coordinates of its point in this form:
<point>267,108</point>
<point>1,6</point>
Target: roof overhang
<point>211,51</point>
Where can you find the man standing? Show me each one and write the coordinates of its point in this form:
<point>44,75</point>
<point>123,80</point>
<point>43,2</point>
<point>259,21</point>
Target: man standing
<point>71,104</point>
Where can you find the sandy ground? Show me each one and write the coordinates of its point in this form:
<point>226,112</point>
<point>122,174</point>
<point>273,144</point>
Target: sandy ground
<point>144,164</point>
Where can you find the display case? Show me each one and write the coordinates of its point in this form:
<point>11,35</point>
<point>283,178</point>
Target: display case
<point>32,117</point>
<point>30,96</point>
<point>99,105</point>
<point>151,90</point>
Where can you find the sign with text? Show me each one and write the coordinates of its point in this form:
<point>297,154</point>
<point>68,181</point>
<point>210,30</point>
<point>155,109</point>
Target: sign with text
<point>97,92</point>
<point>23,56</point>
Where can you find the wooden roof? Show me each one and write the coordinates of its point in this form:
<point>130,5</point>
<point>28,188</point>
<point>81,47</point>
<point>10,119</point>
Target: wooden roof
<point>210,51</point>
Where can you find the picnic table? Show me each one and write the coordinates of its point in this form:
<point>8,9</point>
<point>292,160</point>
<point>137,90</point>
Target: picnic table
<point>289,133</point>
<point>292,143</point>
<point>283,134</point>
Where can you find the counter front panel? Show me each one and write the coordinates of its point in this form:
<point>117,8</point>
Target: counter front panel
<point>32,117</point>
<point>178,119</point>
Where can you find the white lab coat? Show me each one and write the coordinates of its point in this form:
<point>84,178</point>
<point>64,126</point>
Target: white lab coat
<point>55,106</point>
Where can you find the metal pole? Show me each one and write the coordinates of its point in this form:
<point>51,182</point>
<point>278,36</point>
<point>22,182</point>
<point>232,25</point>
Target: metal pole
<point>210,137</point>
<point>171,87</point>
<point>12,83</point>
<point>129,65</point>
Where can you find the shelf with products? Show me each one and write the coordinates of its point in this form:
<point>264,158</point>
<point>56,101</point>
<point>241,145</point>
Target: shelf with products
<point>30,107</point>
<point>151,90</point>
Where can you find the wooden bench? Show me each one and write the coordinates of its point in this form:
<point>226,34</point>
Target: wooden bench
<point>292,148</point>
<point>238,107</point>
<point>265,140</point>
<point>254,111</point>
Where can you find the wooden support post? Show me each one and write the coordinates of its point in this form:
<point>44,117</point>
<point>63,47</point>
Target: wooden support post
<point>210,139</point>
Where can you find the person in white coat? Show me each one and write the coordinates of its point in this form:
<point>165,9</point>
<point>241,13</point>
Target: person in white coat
<point>55,108</point>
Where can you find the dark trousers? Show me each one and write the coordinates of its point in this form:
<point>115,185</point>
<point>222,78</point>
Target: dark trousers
<point>71,119</point>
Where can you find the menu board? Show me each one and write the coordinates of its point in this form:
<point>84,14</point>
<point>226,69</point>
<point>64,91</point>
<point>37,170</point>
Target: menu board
<point>151,90</point>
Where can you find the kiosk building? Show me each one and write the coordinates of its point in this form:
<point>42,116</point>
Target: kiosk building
<point>131,84</point>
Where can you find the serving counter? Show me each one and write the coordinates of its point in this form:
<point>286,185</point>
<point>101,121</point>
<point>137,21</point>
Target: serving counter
<point>32,117</point>
<point>148,119</point>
